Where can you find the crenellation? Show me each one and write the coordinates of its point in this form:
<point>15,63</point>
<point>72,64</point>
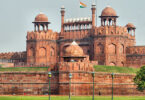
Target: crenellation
<point>49,35</point>
<point>75,66</point>
<point>136,50</point>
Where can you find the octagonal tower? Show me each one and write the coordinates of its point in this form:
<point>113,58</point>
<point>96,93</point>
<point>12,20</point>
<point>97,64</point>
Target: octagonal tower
<point>41,43</point>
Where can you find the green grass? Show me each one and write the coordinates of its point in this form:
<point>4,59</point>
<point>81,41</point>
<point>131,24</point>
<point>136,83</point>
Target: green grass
<point>98,68</point>
<point>72,98</point>
<point>1,65</point>
<point>13,69</point>
<point>115,69</point>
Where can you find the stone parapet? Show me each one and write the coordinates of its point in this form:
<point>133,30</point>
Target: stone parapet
<point>42,35</point>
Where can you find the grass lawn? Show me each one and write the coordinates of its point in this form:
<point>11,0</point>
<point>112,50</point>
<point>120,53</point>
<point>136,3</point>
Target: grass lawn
<point>24,69</point>
<point>72,98</point>
<point>115,69</point>
<point>98,68</point>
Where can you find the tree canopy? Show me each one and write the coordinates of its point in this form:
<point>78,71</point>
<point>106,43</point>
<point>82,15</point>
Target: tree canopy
<point>140,79</point>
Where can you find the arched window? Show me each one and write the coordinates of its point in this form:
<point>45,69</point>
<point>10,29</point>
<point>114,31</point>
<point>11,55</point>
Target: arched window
<point>42,52</point>
<point>121,48</point>
<point>31,55</point>
<point>42,55</point>
<point>52,52</point>
<point>112,49</point>
<point>100,49</point>
<point>31,52</point>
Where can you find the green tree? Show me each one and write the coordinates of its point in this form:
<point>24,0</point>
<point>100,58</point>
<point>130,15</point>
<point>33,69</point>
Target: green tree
<point>140,79</point>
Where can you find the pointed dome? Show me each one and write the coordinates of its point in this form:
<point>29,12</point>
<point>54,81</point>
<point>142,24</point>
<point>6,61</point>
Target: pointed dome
<point>108,11</point>
<point>41,18</point>
<point>130,25</point>
<point>74,50</point>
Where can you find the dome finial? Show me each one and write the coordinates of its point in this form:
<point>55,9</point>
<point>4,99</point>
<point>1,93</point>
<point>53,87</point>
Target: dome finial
<point>62,7</point>
<point>74,43</point>
<point>108,6</point>
<point>41,12</point>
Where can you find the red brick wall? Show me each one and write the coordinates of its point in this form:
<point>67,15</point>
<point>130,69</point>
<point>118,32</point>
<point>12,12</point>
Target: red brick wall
<point>37,83</point>
<point>82,81</point>
<point>26,83</point>
<point>135,56</point>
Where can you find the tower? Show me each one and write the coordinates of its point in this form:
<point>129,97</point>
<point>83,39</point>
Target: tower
<point>108,17</point>
<point>41,20</point>
<point>110,40</point>
<point>41,43</point>
<point>131,29</point>
<point>93,14</point>
<point>62,18</point>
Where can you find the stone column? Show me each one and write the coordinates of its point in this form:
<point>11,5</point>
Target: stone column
<point>62,19</point>
<point>93,15</point>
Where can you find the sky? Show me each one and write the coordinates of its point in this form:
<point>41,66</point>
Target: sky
<point>16,17</point>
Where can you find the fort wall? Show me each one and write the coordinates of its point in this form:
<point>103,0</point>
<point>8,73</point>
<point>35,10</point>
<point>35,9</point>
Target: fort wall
<point>36,83</point>
<point>13,57</point>
<point>135,56</point>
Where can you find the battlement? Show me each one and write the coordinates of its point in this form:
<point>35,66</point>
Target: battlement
<point>39,35</point>
<point>113,30</point>
<point>135,50</point>
<point>13,56</point>
<point>77,66</point>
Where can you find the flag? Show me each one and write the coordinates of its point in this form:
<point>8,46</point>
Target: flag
<point>82,5</point>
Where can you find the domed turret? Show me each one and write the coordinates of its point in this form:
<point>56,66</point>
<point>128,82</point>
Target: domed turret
<point>108,17</point>
<point>41,20</point>
<point>131,29</point>
<point>74,53</point>
<point>74,50</point>
<point>130,25</point>
<point>108,11</point>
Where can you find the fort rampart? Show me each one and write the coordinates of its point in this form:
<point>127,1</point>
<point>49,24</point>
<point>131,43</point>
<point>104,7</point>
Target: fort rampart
<point>36,83</point>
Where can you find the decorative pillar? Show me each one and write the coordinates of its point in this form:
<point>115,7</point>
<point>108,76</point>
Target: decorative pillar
<point>93,15</point>
<point>107,22</point>
<point>101,22</point>
<point>35,27</point>
<point>47,27</point>
<point>39,27</point>
<point>62,19</point>
<point>115,21</point>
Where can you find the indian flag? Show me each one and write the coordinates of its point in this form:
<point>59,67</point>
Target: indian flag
<point>82,5</point>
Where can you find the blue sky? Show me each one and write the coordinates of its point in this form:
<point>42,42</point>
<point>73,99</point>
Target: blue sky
<point>16,17</point>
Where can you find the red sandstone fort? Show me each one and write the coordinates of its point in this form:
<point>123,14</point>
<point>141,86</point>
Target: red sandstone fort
<point>108,44</point>
<point>76,49</point>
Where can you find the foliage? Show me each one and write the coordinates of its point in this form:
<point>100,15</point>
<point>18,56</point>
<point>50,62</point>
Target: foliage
<point>140,79</point>
<point>115,69</point>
